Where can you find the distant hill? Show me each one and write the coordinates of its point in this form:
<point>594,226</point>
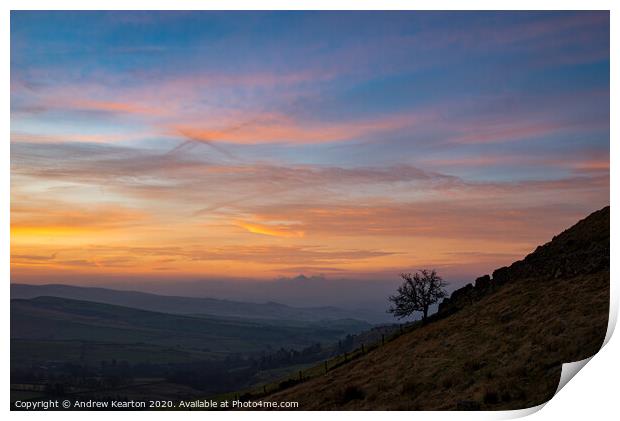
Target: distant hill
<point>190,305</point>
<point>497,345</point>
<point>61,319</point>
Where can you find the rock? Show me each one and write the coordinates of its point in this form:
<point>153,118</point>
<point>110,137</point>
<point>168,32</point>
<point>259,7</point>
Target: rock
<point>461,292</point>
<point>501,276</point>
<point>482,282</point>
<point>443,306</point>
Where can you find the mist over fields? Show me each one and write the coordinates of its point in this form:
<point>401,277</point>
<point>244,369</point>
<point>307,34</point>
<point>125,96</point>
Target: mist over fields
<point>299,291</point>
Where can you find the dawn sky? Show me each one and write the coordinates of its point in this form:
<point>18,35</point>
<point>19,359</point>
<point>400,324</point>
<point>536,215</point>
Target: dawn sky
<point>262,145</point>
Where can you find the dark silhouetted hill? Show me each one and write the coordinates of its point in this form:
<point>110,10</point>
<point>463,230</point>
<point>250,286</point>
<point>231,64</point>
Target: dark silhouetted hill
<point>497,345</point>
<point>53,318</point>
<point>189,305</point>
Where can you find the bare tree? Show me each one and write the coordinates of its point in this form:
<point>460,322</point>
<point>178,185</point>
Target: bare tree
<point>418,291</point>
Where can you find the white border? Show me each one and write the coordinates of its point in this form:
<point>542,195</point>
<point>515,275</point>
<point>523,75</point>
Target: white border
<point>592,394</point>
<point>310,5</point>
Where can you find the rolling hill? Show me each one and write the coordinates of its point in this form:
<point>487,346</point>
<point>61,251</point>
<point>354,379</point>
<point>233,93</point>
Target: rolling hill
<point>497,345</point>
<point>53,318</point>
<point>191,305</point>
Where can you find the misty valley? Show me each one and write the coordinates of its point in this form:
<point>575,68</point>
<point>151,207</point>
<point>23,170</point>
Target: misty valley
<point>85,349</point>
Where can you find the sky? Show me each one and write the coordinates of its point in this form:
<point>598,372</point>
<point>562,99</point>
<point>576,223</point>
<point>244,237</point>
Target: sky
<point>181,147</point>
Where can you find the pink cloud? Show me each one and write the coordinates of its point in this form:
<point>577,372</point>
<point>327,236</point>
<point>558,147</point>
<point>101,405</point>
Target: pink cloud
<point>279,128</point>
<point>114,107</point>
<point>577,162</point>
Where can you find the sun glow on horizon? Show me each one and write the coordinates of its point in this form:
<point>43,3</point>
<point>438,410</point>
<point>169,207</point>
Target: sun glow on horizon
<point>222,144</point>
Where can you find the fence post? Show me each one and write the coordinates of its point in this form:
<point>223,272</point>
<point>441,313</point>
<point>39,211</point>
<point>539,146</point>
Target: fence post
<point>326,366</point>
<point>265,389</point>
<point>382,339</point>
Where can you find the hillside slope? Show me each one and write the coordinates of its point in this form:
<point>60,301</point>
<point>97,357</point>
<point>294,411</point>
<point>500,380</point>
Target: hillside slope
<point>501,348</point>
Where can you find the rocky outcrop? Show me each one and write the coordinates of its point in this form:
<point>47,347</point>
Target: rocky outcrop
<point>483,282</point>
<point>581,249</point>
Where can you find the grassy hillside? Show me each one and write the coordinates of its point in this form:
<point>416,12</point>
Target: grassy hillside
<point>52,318</point>
<point>502,349</point>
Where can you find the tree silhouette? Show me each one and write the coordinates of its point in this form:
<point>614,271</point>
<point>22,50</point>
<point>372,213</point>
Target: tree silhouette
<point>418,291</point>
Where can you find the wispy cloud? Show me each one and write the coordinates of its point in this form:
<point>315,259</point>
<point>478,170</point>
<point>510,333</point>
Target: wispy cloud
<point>280,128</point>
<point>274,230</point>
<point>208,144</point>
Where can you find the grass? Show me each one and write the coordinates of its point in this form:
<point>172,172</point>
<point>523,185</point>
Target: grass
<point>503,352</point>
<point>278,379</point>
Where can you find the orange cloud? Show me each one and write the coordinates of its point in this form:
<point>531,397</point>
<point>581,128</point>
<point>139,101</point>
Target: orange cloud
<point>464,220</point>
<point>285,231</point>
<point>592,165</point>
<point>61,221</point>
<point>575,162</point>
